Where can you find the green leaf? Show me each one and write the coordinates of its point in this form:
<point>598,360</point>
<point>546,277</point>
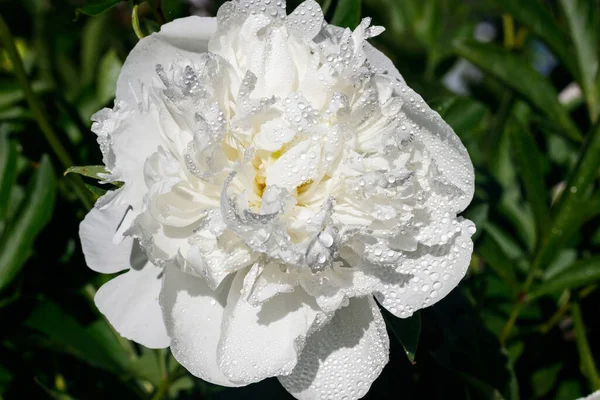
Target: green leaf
<point>102,334</point>
<point>544,379</point>
<point>35,212</point>
<point>463,114</point>
<point>8,171</point>
<point>583,20</point>
<point>574,207</point>
<point>515,73</point>
<point>11,93</point>
<point>96,190</point>
<point>347,14</point>
<point>93,44</point>
<point>96,7</point>
<point>497,260</point>
<point>529,161</point>
<point>483,388</point>
<point>428,24</point>
<point>67,334</point>
<point>148,366</point>
<point>505,240</point>
<point>563,260</point>
<point>110,67</point>
<point>91,171</point>
<point>459,342</point>
<point>405,330</point>
<point>535,16</point>
<point>581,273</point>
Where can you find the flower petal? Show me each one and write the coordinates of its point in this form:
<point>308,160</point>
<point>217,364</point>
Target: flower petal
<point>184,37</point>
<point>259,342</point>
<point>344,357</point>
<point>271,282</point>
<point>130,303</point>
<point>193,314</point>
<point>446,148</point>
<point>297,166</point>
<point>431,273</point>
<point>305,21</point>
<point>97,231</point>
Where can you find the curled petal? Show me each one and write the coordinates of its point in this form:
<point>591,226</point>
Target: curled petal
<point>344,357</point>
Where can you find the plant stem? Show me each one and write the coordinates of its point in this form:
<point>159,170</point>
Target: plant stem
<point>575,191</point>
<point>509,31</point>
<point>583,347</point>
<point>135,22</point>
<point>39,114</point>
<point>557,316</point>
<point>163,389</point>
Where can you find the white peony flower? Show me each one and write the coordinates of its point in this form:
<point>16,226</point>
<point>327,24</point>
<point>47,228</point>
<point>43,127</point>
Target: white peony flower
<point>279,176</point>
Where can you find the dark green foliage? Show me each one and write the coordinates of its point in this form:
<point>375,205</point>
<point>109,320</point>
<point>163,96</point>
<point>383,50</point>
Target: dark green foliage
<point>522,324</point>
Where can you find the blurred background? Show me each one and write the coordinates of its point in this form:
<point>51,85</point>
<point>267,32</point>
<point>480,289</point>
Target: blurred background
<point>516,79</point>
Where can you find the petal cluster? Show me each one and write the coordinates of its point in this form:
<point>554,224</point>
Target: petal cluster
<point>279,176</point>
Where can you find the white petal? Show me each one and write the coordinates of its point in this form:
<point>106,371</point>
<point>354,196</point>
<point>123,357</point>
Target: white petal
<point>276,72</point>
<point>381,62</point>
<point>344,357</point>
<point>305,21</point>
<point>130,303</point>
<point>215,258</point>
<point>445,147</point>
<point>271,282</point>
<point>127,136</point>
<point>185,37</point>
<point>297,166</point>
<point>259,342</point>
<point>439,138</point>
<point>193,314</point>
<point>97,231</point>
<point>273,135</point>
<point>431,273</point>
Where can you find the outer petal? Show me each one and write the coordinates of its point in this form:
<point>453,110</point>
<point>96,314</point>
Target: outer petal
<point>432,272</point>
<point>130,303</point>
<point>264,341</point>
<point>97,231</point>
<point>342,360</point>
<point>381,62</point>
<point>446,148</point>
<point>184,37</point>
<point>193,314</point>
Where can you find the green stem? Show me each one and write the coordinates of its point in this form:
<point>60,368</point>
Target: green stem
<point>583,347</point>
<point>32,100</point>
<point>163,388</point>
<point>39,114</point>
<point>570,200</point>
<point>509,31</point>
<point>558,315</point>
<point>135,21</point>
